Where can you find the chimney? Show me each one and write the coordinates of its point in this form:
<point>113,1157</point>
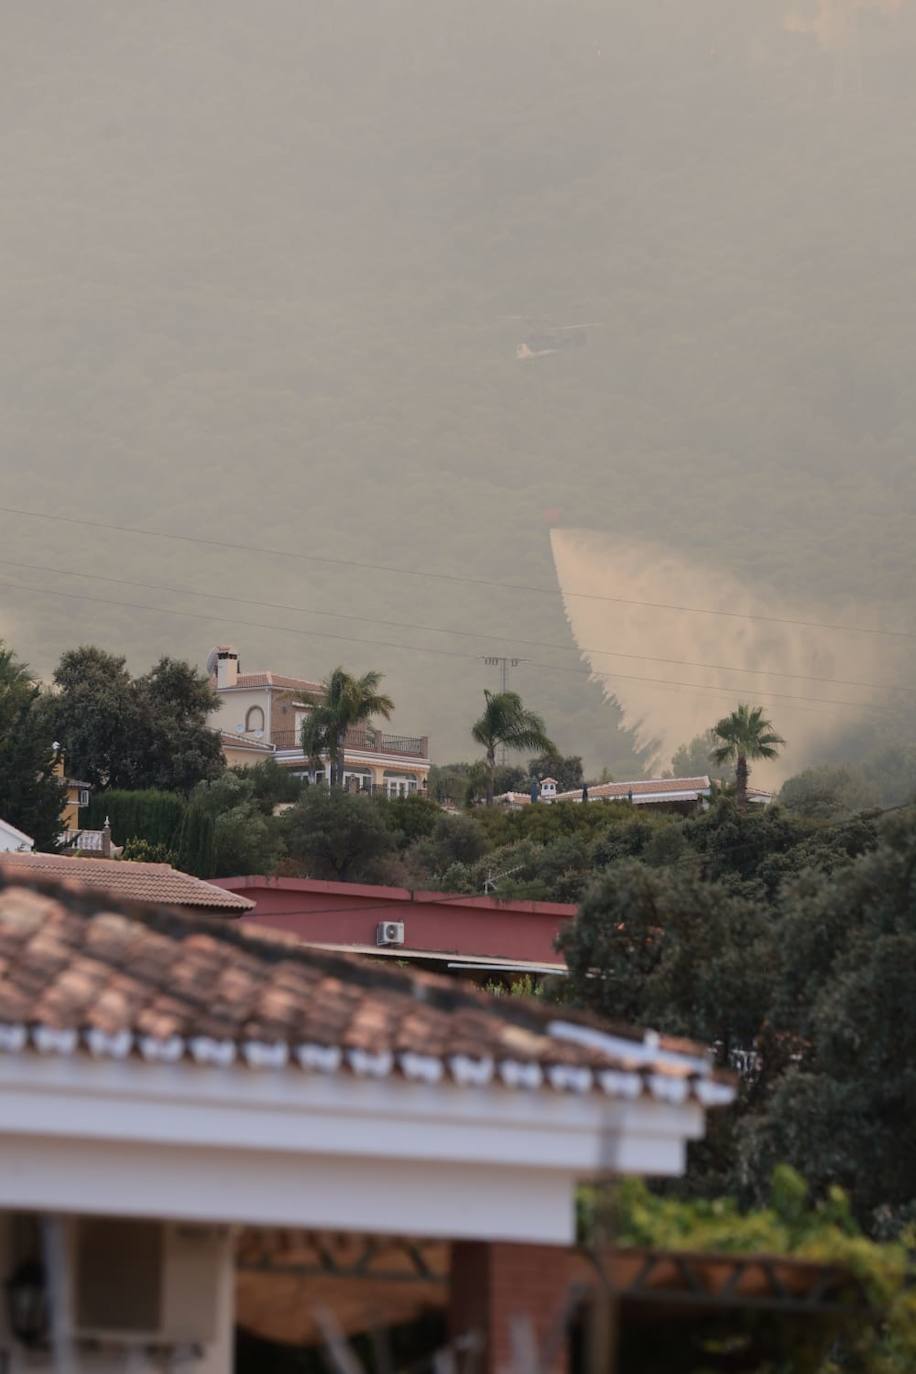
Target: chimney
<point>227,667</point>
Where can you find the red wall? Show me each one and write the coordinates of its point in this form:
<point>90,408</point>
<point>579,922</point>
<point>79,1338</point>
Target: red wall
<point>348,913</point>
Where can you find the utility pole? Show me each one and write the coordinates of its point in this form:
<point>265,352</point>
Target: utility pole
<point>503,664</point>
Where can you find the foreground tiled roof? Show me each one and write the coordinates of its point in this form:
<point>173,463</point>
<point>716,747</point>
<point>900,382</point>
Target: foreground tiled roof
<point>162,985</point>
<point>123,880</point>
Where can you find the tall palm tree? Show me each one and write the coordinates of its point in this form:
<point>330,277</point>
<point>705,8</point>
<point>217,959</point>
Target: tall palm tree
<point>343,702</point>
<point>506,721</point>
<point>745,734</point>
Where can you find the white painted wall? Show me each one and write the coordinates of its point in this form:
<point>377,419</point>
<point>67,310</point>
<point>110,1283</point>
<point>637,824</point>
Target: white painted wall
<point>13,841</point>
<point>242,1145</point>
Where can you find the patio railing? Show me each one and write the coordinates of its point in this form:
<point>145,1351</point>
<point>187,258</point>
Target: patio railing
<point>366,741</point>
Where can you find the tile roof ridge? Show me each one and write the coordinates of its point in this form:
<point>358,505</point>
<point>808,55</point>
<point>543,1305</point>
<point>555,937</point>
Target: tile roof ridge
<point>521,1044</point>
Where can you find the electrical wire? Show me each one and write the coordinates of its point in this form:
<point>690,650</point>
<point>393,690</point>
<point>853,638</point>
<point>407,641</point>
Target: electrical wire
<point>427,575</point>
<point>449,653</point>
<point>436,629</point>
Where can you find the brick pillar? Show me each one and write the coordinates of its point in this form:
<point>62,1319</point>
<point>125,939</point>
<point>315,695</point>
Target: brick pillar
<point>494,1282</point>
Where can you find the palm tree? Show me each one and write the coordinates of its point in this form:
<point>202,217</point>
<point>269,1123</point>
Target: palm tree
<point>745,734</point>
<point>506,721</point>
<point>344,701</point>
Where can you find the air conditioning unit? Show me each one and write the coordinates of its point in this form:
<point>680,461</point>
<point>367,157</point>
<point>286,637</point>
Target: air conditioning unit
<point>145,1282</point>
<point>389,933</point>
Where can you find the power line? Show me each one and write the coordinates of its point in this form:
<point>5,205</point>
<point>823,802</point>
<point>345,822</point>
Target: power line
<point>424,649</point>
<point>491,660</point>
<point>429,575</point>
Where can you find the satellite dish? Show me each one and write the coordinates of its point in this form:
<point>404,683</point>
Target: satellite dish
<point>212,657</point>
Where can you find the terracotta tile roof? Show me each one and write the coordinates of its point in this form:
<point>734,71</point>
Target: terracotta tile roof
<point>164,985</point>
<point>268,679</point>
<point>232,740</point>
<point>123,880</point>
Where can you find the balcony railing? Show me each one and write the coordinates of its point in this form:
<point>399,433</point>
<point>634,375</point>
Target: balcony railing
<point>366,741</point>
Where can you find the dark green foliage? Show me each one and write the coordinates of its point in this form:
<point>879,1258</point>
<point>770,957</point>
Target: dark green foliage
<point>97,718</point>
<point>508,724</point>
<point>454,841</point>
<point>245,839</point>
<point>147,814</point>
<point>196,843</point>
<point>845,1005</point>
<point>877,1338</point>
<point>695,759</point>
<point>566,769</point>
<point>768,844</point>
<point>830,792</point>
<point>506,778</point>
<point>672,951</point>
<point>181,748</point>
<point>120,732</point>
<point>271,785</point>
<point>793,940</point>
<point>31,797</point>
<point>337,835</point>
<point>141,851</point>
<point>448,782</point>
<point>411,818</point>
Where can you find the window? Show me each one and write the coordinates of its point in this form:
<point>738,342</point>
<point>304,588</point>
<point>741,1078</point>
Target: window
<point>397,785</point>
<point>254,721</point>
<point>84,796</point>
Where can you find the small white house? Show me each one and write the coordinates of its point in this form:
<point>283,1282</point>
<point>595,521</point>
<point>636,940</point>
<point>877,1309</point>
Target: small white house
<point>13,841</point>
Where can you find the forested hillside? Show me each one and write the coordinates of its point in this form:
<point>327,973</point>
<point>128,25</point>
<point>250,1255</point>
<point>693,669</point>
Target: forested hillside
<point>265,271</point>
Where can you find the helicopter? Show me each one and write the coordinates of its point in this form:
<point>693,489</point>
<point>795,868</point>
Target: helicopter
<point>545,339</point>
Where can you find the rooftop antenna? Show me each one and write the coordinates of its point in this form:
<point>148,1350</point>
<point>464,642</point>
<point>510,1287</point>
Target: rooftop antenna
<point>490,881</point>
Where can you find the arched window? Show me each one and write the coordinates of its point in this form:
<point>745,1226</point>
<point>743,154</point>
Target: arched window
<point>254,721</point>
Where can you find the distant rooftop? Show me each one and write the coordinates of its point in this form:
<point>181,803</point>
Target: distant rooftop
<point>124,880</point>
<point>269,679</point>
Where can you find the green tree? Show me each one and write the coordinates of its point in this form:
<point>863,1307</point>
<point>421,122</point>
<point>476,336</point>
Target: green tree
<point>667,949</point>
<point>828,792</point>
<point>744,736</point>
<point>337,835</point>
<point>507,722</point>
<point>31,797</point>
<point>143,852</point>
<point>344,702</point>
<point>145,814</point>
<point>133,733</point>
<point>565,768</point>
<point>181,748</point>
<point>693,760</point>
<point>196,844</point>
<point>271,784</point>
<point>842,1024</point>
<point>245,839</point>
<point>411,818</point>
<point>98,718</point>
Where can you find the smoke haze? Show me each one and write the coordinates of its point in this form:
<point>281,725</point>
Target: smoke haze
<point>265,270</point>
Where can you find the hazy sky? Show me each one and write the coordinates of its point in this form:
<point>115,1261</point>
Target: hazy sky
<point>265,269</point>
